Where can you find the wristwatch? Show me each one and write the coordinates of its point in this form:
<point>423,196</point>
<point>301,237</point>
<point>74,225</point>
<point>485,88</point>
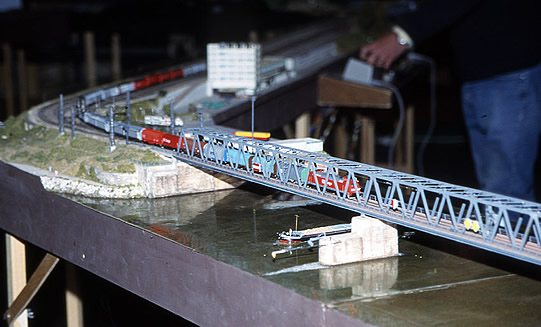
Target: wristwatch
<point>401,40</point>
<point>402,37</point>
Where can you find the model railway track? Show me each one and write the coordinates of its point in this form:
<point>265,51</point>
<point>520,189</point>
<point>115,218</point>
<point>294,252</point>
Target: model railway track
<point>311,46</point>
<point>283,45</point>
<point>430,206</point>
<point>151,91</point>
<point>427,205</point>
<point>48,114</point>
<point>296,44</point>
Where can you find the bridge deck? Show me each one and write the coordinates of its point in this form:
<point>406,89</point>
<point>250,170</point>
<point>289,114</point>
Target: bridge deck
<point>489,221</point>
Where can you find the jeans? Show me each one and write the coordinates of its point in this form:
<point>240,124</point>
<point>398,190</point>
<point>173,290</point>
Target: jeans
<point>503,117</point>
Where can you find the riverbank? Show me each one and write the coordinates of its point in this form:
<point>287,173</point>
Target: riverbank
<point>85,166</point>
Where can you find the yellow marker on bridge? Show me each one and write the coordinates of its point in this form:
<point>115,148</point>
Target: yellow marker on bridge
<point>264,136</point>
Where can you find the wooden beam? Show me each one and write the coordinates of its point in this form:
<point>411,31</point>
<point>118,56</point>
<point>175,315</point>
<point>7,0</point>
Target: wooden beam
<point>31,288</point>
<point>410,139</point>
<point>115,57</point>
<point>8,80</point>
<point>340,93</point>
<point>90,59</point>
<point>368,140</point>
<point>16,273</point>
<point>74,304</point>
<point>302,126</point>
<point>23,83</point>
<point>404,151</point>
<point>340,138</point>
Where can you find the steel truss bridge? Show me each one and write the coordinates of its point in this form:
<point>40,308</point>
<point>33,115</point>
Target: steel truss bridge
<point>489,221</point>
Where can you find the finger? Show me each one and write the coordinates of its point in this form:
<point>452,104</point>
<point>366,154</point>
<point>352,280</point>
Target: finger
<point>365,53</point>
<point>372,60</point>
<point>384,62</point>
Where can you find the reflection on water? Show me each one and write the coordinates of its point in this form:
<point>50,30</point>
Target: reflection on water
<point>235,226</point>
<point>177,210</point>
<point>239,227</point>
<point>366,279</point>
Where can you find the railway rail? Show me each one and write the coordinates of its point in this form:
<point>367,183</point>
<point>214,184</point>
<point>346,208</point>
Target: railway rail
<point>489,221</point>
<point>506,225</point>
<point>493,222</point>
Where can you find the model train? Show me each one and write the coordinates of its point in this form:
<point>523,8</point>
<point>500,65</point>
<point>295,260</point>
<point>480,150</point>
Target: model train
<point>217,152</point>
<point>235,157</point>
<point>147,81</point>
<point>320,179</point>
<point>143,134</point>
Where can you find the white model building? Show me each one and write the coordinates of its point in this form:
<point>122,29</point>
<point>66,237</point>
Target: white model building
<point>240,68</point>
<point>233,66</point>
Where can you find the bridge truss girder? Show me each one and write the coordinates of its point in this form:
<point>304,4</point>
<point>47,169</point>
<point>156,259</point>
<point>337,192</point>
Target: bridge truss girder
<point>489,221</point>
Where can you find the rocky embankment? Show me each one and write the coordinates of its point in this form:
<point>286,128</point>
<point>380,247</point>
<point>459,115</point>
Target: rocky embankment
<point>152,181</point>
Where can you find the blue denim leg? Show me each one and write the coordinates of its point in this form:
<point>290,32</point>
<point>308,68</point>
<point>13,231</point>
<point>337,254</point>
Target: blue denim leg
<point>503,117</point>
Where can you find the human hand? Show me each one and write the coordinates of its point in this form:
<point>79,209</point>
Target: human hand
<point>382,52</point>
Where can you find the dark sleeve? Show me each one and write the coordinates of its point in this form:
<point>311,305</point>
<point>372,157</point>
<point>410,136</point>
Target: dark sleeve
<point>434,16</point>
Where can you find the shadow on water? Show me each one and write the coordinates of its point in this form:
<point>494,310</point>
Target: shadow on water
<point>471,253</point>
<point>239,227</point>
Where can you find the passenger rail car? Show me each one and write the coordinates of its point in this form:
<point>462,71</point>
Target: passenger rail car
<point>147,81</point>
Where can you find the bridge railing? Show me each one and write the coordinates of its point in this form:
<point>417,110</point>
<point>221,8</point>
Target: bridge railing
<point>486,220</point>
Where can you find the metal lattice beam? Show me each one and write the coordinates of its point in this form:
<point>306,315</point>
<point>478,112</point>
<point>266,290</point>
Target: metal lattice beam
<point>489,221</point>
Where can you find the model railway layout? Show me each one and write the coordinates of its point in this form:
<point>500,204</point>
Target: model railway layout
<point>216,152</point>
<point>503,225</point>
<point>493,222</point>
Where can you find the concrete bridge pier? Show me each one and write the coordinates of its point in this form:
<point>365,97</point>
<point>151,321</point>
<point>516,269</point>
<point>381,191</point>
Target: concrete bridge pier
<point>369,239</point>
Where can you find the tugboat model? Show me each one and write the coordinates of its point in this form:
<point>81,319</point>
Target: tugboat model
<point>310,236</point>
<point>313,234</point>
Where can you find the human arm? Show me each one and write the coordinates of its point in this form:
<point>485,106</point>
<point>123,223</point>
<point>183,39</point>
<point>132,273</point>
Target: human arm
<point>431,18</point>
<point>384,51</point>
